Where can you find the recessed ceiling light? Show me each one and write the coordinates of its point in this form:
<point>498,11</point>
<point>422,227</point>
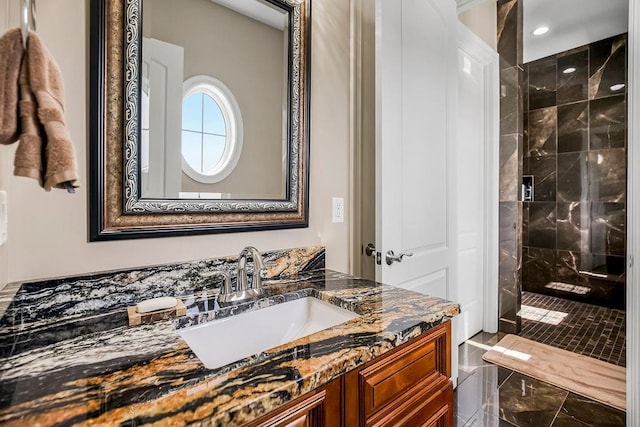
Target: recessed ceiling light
<point>617,87</point>
<point>540,31</point>
<point>569,70</point>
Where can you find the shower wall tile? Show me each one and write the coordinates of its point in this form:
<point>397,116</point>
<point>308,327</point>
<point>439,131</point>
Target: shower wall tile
<point>575,241</point>
<point>608,228</point>
<point>539,268</point>
<point>573,185</point>
<point>509,34</point>
<point>509,112</point>
<point>543,170</point>
<point>607,175</point>
<point>573,127</point>
<point>509,165</point>
<point>542,225</point>
<point>509,272</point>
<point>600,278</point>
<point>509,28</point>
<point>541,136</point>
<point>542,84</point>
<point>573,85</point>
<point>608,66</point>
<point>525,223</point>
<point>608,122</point>
<point>572,224</point>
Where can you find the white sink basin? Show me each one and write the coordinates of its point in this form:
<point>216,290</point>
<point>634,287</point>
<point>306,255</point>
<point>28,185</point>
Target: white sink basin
<point>223,341</point>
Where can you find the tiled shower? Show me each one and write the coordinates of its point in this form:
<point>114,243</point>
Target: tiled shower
<point>574,149</point>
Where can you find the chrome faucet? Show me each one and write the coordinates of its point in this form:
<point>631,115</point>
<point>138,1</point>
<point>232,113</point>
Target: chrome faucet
<point>243,290</point>
<point>258,270</point>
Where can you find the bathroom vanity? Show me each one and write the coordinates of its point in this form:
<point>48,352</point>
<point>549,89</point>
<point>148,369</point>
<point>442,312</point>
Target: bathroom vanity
<point>408,386</point>
<point>68,355</point>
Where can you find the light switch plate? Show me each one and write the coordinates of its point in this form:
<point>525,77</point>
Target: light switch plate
<point>338,210</point>
<point>4,222</point>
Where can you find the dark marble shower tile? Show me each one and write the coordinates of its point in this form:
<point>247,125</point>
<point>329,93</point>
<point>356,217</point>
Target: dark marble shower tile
<point>525,223</point>
<point>600,278</point>
<point>608,122</point>
<point>608,228</point>
<point>569,265</point>
<point>573,127</point>
<point>542,224</point>
<point>524,401</point>
<point>572,177</point>
<point>509,100</point>
<point>509,267</point>
<point>543,170</point>
<point>509,168</point>
<point>509,21</point>
<point>573,76</point>
<point>525,134</point>
<point>542,83</point>
<point>578,410</point>
<point>607,175</point>
<point>525,88</point>
<point>607,67</point>
<point>538,268</point>
<point>508,221</point>
<point>572,225</point>
<point>541,132</point>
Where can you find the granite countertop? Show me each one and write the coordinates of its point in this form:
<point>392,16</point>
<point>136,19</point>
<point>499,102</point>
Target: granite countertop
<point>96,370</point>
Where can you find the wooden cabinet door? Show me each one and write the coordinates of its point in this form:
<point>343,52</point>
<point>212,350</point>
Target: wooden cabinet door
<point>409,386</point>
<point>320,408</point>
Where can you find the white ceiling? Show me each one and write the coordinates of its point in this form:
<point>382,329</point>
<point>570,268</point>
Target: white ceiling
<point>572,23</point>
<point>258,10</point>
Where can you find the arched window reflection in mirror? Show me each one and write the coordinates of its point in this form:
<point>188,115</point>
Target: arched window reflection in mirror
<point>212,130</point>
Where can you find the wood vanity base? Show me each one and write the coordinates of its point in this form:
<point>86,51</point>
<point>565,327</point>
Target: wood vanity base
<point>409,386</point>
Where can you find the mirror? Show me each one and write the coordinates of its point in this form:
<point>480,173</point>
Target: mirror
<point>199,116</point>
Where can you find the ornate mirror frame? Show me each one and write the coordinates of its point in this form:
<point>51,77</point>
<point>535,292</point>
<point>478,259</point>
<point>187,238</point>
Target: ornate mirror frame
<point>116,209</point>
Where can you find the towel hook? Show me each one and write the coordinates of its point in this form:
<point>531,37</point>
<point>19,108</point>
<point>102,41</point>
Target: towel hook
<point>27,18</point>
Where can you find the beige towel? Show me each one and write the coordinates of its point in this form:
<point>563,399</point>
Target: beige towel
<point>45,151</point>
<point>11,52</point>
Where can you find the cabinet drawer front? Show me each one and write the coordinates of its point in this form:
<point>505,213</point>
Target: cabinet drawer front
<point>384,382</point>
<point>429,407</point>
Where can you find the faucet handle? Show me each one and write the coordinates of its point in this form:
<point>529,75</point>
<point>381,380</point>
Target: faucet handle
<point>226,282</point>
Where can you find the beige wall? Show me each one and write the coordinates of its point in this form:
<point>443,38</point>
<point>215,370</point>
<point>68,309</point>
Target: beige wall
<point>48,231</point>
<point>248,57</point>
<point>482,20</point>
<point>4,151</point>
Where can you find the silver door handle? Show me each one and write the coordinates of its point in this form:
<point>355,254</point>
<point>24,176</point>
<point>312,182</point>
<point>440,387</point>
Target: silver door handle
<point>391,257</point>
<point>370,249</point>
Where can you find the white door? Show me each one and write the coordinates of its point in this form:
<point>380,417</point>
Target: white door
<point>161,131</point>
<point>477,192</point>
<point>416,84</point>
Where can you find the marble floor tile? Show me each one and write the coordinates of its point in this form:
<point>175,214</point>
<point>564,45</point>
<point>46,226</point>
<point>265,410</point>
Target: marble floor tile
<point>578,410</point>
<point>483,419</point>
<point>525,402</point>
<point>492,396</point>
